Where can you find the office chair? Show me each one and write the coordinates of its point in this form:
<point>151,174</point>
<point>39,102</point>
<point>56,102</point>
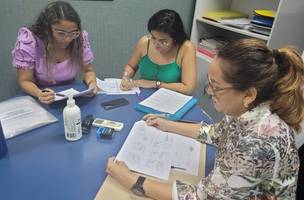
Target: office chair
<point>300,184</point>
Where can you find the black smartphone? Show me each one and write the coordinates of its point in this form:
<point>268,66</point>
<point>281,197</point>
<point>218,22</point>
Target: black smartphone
<point>107,105</point>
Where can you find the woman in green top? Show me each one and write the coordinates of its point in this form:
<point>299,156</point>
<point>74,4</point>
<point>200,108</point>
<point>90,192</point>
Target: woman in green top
<point>165,58</point>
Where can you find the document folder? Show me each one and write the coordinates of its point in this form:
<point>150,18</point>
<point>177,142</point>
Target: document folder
<point>176,116</point>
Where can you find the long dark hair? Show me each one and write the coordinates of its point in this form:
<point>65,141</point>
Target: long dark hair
<point>168,21</point>
<point>51,14</point>
<point>277,75</point>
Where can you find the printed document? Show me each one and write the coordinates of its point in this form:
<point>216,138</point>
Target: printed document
<point>22,114</point>
<point>151,151</point>
<point>166,101</point>
<point>112,86</point>
<point>73,92</point>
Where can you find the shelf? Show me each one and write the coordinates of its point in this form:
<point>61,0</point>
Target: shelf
<point>236,30</point>
<point>203,57</point>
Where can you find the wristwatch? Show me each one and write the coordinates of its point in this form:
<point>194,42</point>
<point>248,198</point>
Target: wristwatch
<point>157,84</point>
<point>138,188</point>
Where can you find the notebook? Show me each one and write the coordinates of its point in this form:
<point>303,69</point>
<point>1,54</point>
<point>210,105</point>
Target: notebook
<point>164,101</point>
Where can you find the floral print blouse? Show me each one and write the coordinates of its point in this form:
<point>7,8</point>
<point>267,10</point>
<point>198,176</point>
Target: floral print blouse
<point>256,157</point>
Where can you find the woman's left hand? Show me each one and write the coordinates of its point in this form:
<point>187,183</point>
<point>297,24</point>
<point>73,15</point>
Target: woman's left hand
<point>144,83</point>
<point>121,173</point>
<point>94,88</point>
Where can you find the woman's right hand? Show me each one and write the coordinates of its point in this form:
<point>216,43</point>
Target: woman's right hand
<point>126,84</point>
<point>158,122</point>
<point>46,96</point>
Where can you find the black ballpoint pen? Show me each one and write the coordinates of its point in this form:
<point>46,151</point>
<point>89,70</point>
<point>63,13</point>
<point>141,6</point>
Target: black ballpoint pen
<point>180,168</point>
<point>60,95</point>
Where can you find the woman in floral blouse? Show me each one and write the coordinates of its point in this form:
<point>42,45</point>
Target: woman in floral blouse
<point>259,91</point>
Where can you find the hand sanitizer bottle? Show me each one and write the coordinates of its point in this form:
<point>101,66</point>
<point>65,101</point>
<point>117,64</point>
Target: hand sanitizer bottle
<point>72,120</point>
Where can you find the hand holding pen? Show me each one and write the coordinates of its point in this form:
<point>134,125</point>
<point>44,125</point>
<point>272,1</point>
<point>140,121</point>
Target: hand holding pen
<point>126,82</point>
<point>46,96</point>
<point>158,120</point>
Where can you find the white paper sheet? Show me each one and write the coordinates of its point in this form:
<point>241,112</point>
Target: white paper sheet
<point>73,92</point>
<point>22,114</point>
<point>166,101</point>
<point>186,154</point>
<point>151,151</point>
<point>112,86</point>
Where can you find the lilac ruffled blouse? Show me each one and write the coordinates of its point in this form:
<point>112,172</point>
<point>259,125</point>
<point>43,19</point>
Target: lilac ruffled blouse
<point>29,54</point>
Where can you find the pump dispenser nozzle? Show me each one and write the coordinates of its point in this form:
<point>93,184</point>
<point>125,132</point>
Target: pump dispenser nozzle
<point>70,101</point>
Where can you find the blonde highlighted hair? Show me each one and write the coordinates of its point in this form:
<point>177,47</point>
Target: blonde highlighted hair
<point>277,75</point>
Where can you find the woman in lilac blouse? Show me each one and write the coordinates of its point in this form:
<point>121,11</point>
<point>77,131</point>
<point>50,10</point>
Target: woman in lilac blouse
<point>52,51</point>
<point>260,92</point>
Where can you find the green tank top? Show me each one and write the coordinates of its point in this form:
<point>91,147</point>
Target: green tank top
<point>168,73</point>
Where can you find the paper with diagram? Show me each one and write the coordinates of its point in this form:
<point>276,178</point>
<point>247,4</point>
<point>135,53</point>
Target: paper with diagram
<point>151,151</point>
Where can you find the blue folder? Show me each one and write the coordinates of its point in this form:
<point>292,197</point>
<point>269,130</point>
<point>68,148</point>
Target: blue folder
<point>263,21</point>
<point>177,116</point>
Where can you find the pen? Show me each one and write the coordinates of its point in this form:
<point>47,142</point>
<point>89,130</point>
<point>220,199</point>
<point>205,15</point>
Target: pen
<point>188,121</point>
<point>210,118</point>
<point>60,95</point>
<point>180,168</point>
<point>137,94</point>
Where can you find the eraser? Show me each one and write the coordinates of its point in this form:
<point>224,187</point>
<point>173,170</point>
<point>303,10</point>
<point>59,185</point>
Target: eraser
<point>105,133</point>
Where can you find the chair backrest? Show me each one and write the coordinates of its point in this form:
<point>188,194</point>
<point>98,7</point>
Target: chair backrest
<point>3,147</point>
<point>300,185</point>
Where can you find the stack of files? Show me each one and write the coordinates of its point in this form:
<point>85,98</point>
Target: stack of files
<point>241,23</point>
<point>151,151</point>
<point>262,21</point>
<point>223,14</point>
<point>209,46</point>
<point>21,114</point>
<point>168,103</point>
<point>111,86</point>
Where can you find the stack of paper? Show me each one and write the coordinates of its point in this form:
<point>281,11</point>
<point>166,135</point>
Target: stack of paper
<point>218,15</point>
<point>159,101</point>
<point>262,21</point>
<point>153,152</point>
<point>209,46</point>
<point>112,86</point>
<point>242,23</point>
<point>22,114</point>
<point>168,102</point>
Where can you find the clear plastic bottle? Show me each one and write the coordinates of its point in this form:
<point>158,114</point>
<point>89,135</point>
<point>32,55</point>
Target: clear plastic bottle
<point>72,120</point>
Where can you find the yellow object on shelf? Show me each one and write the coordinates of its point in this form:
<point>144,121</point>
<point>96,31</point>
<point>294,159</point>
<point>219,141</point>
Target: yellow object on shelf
<point>223,14</point>
<point>266,13</point>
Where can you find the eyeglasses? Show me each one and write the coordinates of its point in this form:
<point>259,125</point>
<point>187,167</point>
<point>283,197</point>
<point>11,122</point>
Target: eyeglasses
<point>161,42</point>
<point>64,34</point>
<point>214,89</point>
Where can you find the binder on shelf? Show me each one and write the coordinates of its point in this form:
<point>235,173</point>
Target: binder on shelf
<point>262,21</point>
<point>190,101</point>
